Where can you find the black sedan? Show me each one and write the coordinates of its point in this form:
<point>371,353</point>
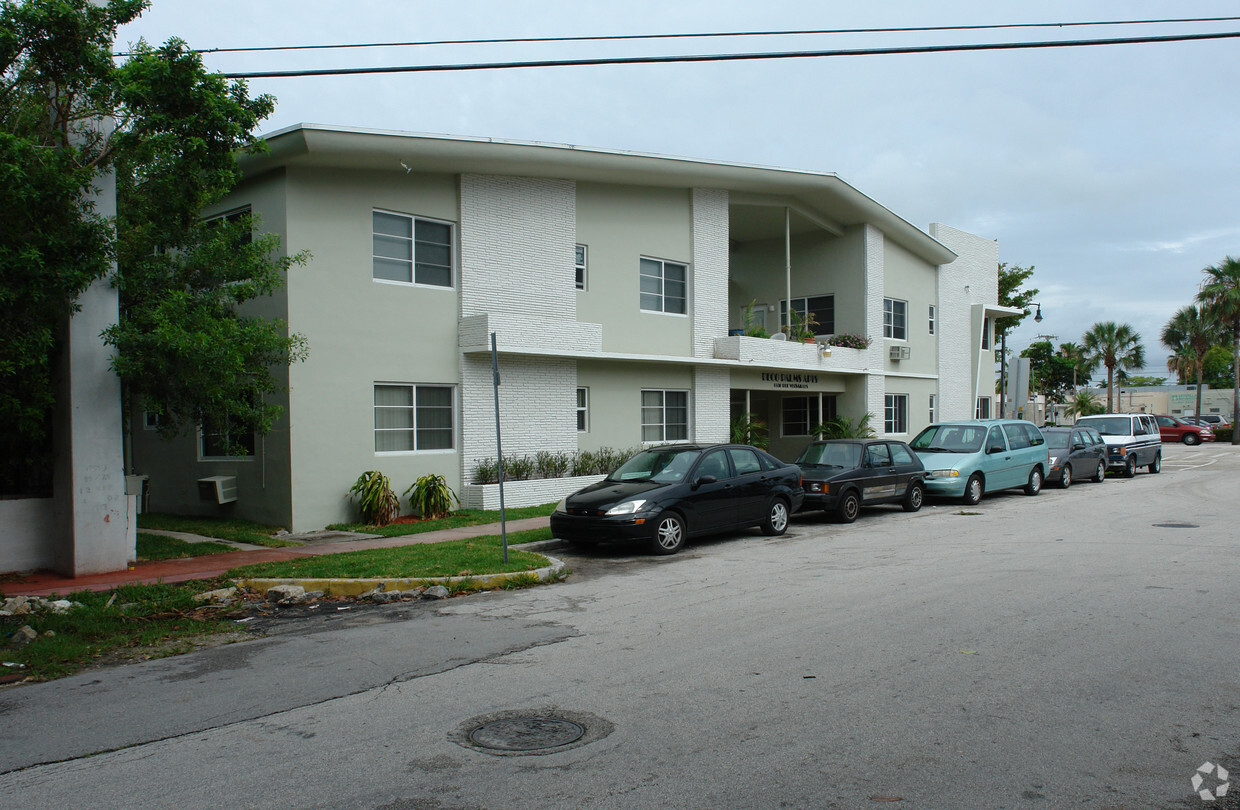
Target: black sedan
<point>1076,452</point>
<point>667,494</point>
<point>842,475</point>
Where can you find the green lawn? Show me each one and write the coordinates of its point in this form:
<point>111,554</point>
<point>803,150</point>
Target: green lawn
<point>454,558</point>
<point>464,517</point>
<point>158,547</point>
<point>240,531</point>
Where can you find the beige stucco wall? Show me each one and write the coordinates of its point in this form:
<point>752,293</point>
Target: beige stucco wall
<point>907,278</point>
<point>615,399</point>
<point>619,225</point>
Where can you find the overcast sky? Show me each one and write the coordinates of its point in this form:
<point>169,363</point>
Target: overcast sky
<point>1114,171</point>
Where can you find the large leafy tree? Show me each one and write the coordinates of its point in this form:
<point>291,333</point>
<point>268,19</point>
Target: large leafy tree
<point>169,131</point>
<point>1189,335</point>
<point>1220,295</point>
<point>1053,375</point>
<point>1115,346</point>
<point>1011,294</point>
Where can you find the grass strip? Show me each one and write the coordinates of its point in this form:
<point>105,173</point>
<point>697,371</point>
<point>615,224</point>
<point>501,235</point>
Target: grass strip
<point>239,531</point>
<point>131,616</point>
<point>476,556</point>
<point>464,517</point>
<point>158,547</point>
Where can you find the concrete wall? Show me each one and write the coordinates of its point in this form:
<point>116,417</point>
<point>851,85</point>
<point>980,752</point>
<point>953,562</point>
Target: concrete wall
<point>615,399</point>
<point>969,282</point>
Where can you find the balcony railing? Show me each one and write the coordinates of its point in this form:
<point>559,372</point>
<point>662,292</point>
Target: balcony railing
<point>789,354</point>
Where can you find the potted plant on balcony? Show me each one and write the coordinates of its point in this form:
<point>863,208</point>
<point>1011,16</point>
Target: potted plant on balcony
<point>748,327</point>
<point>803,327</point>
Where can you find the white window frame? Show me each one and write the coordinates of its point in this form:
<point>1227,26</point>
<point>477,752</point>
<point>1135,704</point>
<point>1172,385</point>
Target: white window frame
<point>413,428</point>
<point>978,410</point>
<point>583,409</point>
<point>811,409</point>
<point>581,258</point>
<point>663,423</point>
<point>662,278</point>
<point>413,251</point>
<point>890,326</point>
<point>932,319</point>
<point>932,408</point>
<point>895,414</point>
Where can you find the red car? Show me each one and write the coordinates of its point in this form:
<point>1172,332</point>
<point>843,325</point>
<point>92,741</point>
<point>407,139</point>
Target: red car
<point>1174,429</point>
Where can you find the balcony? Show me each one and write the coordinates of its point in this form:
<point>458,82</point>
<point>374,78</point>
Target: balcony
<point>790,355</point>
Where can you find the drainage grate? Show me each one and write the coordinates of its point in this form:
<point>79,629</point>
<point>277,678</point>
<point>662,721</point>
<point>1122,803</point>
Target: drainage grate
<point>530,733</point>
<point>1176,526</point>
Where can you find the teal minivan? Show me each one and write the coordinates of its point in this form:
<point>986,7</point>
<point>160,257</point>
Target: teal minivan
<point>967,459</point>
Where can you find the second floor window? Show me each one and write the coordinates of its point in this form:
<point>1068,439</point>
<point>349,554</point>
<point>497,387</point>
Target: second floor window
<point>664,286</point>
<point>895,319</point>
<point>985,333</point>
<point>579,263</point>
<point>411,250</point>
<point>822,307</point>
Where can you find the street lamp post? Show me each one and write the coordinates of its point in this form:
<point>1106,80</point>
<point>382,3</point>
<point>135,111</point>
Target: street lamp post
<point>1003,375</point>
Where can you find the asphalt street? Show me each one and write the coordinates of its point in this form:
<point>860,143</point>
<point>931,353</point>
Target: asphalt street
<point>1075,649</point>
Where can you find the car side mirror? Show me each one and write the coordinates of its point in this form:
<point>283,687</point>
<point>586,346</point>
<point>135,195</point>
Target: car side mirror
<point>705,479</point>
<point>1078,446</point>
<point>994,448</point>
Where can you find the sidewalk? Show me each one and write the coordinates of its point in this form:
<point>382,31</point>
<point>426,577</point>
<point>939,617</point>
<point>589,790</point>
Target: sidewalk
<point>44,583</point>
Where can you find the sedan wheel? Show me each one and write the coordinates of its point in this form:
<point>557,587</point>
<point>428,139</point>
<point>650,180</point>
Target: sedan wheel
<point>849,508</point>
<point>914,498</point>
<point>1066,480</point>
<point>776,522</point>
<point>669,534</point>
<point>1100,474</point>
<point>1191,438</point>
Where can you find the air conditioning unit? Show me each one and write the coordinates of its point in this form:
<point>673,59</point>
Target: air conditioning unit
<point>218,488</point>
<point>898,352</point>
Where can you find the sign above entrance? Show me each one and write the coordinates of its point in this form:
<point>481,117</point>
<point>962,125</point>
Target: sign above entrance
<point>774,380</point>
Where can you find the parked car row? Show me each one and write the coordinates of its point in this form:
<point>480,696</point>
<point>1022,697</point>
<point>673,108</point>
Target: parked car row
<point>665,495</point>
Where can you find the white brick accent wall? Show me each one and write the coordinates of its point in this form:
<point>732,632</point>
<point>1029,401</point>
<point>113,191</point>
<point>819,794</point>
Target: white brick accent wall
<point>711,404</point>
<point>875,389</point>
<point>517,236</point>
<point>538,407</point>
<point>973,278</point>
<point>528,334</point>
<point>710,269</point>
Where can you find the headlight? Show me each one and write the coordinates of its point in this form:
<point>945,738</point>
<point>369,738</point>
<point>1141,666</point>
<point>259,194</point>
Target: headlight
<point>627,508</point>
<point>1054,461</point>
<point>562,506</point>
<point>944,473</point>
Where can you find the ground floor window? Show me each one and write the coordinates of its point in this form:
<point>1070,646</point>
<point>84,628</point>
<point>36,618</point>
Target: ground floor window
<point>932,408</point>
<point>800,415</point>
<point>229,444</point>
<point>413,417</point>
<point>665,416</point>
<point>895,413</point>
<point>583,410</point>
<point>983,408</point>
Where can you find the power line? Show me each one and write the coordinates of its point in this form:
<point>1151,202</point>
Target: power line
<point>733,57</point>
<point>715,35</point>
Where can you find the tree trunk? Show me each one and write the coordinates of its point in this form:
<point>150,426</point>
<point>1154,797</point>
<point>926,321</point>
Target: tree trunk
<point>1110,383</point>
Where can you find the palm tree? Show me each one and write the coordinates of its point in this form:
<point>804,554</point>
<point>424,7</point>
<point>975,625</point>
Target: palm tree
<point>1220,294</point>
<point>1190,333</point>
<point>1083,403</point>
<point>1080,368</point>
<point>1114,346</point>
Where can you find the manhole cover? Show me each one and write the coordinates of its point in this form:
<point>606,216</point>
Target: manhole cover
<point>526,733</point>
<point>1176,526</point>
<point>533,732</point>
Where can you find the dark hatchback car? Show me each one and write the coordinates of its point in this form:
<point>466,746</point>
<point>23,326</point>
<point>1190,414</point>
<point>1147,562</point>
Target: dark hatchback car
<point>664,495</point>
<point>842,475</point>
<point>1077,452</point>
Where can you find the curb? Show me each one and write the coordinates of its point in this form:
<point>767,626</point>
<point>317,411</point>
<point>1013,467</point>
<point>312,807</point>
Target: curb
<point>357,587</point>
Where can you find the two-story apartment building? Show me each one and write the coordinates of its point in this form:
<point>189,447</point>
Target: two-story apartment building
<point>615,283</point>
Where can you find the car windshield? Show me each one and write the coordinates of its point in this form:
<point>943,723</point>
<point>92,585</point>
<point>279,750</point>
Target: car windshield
<point>844,456</point>
<point>1056,440</point>
<point>1112,425</point>
<point>662,466</point>
<point>949,439</point>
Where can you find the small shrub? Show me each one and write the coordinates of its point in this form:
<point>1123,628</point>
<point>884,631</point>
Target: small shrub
<point>849,341</point>
<point>551,465</point>
<point>431,497</point>
<point>518,468</point>
<point>1222,434</point>
<point>486,471</point>
<point>376,501</point>
<point>749,429</point>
